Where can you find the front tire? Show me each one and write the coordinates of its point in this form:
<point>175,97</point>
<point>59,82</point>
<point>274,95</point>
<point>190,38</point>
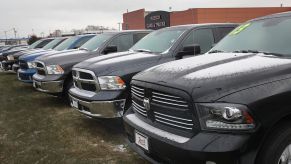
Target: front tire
<point>67,86</point>
<point>277,147</point>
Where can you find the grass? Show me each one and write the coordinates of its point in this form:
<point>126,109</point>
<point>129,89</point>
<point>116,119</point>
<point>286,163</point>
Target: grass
<point>38,128</point>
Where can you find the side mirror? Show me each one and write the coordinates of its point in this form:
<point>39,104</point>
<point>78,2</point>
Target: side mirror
<point>193,49</point>
<point>110,49</point>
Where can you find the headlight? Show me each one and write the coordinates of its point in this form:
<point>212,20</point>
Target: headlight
<point>111,83</point>
<point>54,70</point>
<point>10,57</point>
<point>31,64</point>
<point>224,116</point>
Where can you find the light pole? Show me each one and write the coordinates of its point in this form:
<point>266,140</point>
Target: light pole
<point>15,35</point>
<point>5,37</point>
<point>119,25</point>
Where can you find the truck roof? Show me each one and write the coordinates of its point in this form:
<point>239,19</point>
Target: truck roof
<point>190,26</point>
<point>276,15</point>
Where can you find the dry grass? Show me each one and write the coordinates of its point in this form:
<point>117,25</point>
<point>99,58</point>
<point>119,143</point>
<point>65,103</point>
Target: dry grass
<point>37,128</point>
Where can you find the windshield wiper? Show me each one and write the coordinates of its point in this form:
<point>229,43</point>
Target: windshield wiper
<point>256,51</point>
<point>215,51</point>
<point>82,48</point>
<point>143,50</point>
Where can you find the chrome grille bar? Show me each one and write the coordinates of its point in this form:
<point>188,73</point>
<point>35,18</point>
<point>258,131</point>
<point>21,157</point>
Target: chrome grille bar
<point>166,95</point>
<point>173,124</point>
<point>168,103</point>
<point>178,122</point>
<point>167,99</point>
<point>178,118</point>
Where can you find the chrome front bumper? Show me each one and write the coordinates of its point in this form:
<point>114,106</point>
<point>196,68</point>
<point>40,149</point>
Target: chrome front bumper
<point>1,67</point>
<point>15,68</point>
<point>99,109</point>
<point>49,87</point>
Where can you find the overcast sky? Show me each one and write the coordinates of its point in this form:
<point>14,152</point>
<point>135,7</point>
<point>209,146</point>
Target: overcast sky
<point>47,15</point>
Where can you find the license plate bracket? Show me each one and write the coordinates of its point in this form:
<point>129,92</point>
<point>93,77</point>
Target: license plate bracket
<point>142,140</point>
<point>75,103</point>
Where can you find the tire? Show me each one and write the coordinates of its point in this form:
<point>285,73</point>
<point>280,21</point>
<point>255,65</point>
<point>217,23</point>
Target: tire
<point>67,86</point>
<point>275,145</point>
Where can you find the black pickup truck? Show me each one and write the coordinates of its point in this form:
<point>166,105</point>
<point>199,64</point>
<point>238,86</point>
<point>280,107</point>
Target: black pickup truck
<point>101,85</point>
<point>230,106</point>
<point>54,71</point>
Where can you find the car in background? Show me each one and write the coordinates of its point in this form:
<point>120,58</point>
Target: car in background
<point>69,44</point>
<point>7,57</point>
<point>49,47</point>
<point>54,72</point>
<point>229,106</point>
<point>26,62</point>
<point>102,84</point>
<point>11,48</point>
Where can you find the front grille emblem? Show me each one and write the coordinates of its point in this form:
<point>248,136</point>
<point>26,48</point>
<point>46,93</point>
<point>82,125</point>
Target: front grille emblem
<point>146,104</point>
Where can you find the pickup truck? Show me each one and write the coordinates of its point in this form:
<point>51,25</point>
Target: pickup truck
<point>54,72</point>
<point>9,49</point>
<point>10,57</point>
<point>26,62</point>
<point>101,85</point>
<point>229,106</point>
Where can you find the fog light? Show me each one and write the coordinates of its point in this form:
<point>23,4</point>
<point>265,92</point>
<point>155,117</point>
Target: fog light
<point>210,162</point>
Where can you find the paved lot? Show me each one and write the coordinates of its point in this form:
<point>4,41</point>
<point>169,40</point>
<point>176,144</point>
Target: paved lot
<point>37,128</point>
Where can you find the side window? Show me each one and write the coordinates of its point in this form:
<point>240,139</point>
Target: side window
<point>189,40</point>
<point>81,41</point>
<point>204,38</point>
<point>137,37</point>
<point>221,32</point>
<point>43,43</point>
<point>123,42</point>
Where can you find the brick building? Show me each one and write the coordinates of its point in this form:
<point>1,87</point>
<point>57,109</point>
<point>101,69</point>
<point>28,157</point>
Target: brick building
<point>137,19</point>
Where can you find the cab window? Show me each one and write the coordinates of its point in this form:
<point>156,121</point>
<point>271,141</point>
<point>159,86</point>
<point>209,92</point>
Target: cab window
<point>123,42</point>
<point>202,37</point>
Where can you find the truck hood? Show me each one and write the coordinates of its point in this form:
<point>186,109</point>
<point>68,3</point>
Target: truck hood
<point>210,77</point>
<point>29,51</point>
<point>12,53</point>
<point>122,61</point>
<point>65,57</point>
<point>32,56</point>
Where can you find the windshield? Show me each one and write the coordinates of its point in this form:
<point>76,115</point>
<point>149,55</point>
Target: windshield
<point>53,43</point>
<point>33,45</point>
<point>94,43</point>
<point>66,44</point>
<point>159,41</point>
<point>268,35</point>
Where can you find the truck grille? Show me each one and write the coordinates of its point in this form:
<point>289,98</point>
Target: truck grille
<point>85,80</point>
<point>23,64</point>
<point>166,109</point>
<point>169,100</point>
<point>40,67</point>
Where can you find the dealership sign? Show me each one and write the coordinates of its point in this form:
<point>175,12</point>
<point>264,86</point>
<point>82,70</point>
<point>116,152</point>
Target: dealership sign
<point>157,20</point>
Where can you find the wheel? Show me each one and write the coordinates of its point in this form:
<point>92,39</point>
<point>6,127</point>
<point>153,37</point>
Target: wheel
<point>67,86</point>
<point>277,148</point>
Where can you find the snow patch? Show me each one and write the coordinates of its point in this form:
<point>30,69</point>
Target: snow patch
<point>119,148</point>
